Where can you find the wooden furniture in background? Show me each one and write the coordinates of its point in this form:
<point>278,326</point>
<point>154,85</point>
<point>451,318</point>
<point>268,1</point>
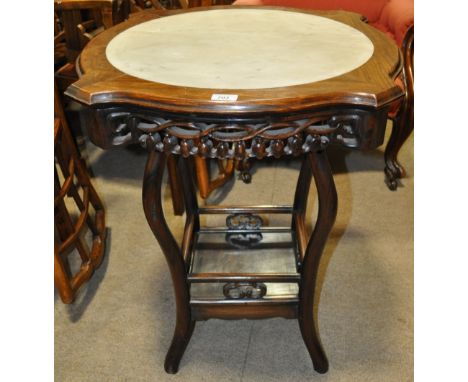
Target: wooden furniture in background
<point>207,3</point>
<point>242,270</point>
<point>73,191</point>
<point>403,117</point>
<point>206,185</point>
<point>81,20</point>
<point>226,169</point>
<point>101,14</point>
<point>140,5</point>
<point>60,48</point>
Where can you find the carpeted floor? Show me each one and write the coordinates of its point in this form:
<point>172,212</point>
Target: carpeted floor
<point>122,322</point>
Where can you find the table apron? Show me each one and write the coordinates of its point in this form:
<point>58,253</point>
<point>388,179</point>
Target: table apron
<point>224,137</point>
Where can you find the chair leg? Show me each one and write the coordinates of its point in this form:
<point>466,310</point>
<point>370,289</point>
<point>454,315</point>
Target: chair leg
<point>402,129</point>
<point>205,185</point>
<point>403,123</point>
<point>61,279</point>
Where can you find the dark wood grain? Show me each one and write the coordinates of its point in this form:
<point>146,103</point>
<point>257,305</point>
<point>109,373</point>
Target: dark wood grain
<point>192,221</point>
<point>152,206</point>
<point>298,223</point>
<point>328,204</point>
<point>251,311</point>
<point>175,185</point>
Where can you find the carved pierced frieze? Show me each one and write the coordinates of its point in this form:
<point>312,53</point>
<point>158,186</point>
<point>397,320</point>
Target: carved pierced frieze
<point>238,140</point>
<point>231,141</point>
<point>244,290</point>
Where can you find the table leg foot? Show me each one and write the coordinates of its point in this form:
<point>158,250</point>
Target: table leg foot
<point>152,206</point>
<point>317,163</point>
<point>312,342</point>
<point>403,125</point>
<point>392,173</point>
<point>394,170</point>
<point>182,335</point>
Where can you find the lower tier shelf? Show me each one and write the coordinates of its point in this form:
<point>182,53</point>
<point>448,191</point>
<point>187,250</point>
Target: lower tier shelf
<point>244,266</point>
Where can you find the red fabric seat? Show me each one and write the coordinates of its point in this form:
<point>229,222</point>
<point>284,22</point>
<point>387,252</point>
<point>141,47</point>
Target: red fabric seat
<point>392,17</point>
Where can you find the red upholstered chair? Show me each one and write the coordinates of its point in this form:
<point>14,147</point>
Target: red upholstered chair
<point>395,18</point>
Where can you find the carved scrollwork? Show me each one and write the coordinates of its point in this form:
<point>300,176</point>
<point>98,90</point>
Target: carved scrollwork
<point>247,223</point>
<point>244,222</point>
<point>231,142</point>
<point>121,131</point>
<point>346,133</point>
<point>237,140</point>
<point>243,290</point>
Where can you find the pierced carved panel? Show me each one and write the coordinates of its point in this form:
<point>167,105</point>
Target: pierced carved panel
<point>247,223</point>
<point>231,141</point>
<point>244,290</point>
<point>244,221</point>
<point>236,140</point>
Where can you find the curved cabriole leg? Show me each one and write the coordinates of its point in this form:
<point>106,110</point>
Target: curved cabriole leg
<point>327,198</point>
<point>403,123</point>
<point>401,130</point>
<point>152,205</point>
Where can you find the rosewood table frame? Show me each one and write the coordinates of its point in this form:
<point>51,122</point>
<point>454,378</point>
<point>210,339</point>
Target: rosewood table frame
<point>298,121</point>
<point>178,258</point>
<point>305,135</point>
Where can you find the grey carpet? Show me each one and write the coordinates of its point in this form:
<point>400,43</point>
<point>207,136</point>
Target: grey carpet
<point>121,324</point>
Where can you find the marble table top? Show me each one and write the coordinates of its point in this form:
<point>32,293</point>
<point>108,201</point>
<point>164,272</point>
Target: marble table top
<point>239,49</point>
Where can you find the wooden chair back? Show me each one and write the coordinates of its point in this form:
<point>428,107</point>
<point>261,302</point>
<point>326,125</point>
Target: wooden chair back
<point>79,215</point>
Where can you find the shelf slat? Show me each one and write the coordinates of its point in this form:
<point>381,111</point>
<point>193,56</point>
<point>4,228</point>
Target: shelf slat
<point>243,277</point>
<point>265,209</point>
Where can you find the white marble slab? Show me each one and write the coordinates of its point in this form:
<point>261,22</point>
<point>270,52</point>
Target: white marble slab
<point>239,49</point>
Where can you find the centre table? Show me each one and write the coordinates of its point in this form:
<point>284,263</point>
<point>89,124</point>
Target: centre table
<point>236,83</point>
